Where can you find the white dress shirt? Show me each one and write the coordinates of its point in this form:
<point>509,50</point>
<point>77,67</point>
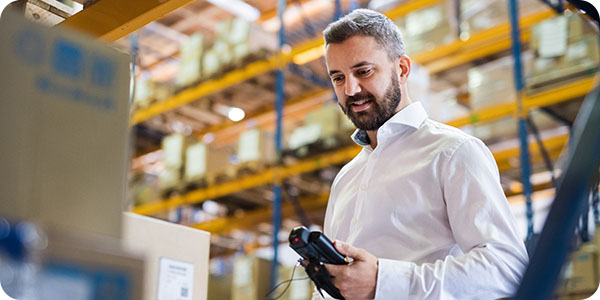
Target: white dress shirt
<point>427,202</point>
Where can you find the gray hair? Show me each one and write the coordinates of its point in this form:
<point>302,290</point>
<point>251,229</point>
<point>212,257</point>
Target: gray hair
<point>366,22</point>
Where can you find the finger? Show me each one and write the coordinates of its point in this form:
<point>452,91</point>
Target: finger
<point>335,270</point>
<point>348,250</point>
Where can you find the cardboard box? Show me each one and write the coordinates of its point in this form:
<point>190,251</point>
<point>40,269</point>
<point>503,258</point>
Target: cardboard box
<point>169,178</point>
<point>478,15</point>
<point>251,277</point>
<point>492,83</point>
<point>565,48</point>
<point>190,66</point>
<point>195,161</point>
<point>64,126</point>
<point>507,128</point>
<point>585,273</point>
<point>173,147</point>
<point>255,145</point>
<point>176,257</point>
<point>430,27</point>
<point>144,91</point>
<point>79,266</point>
<point>298,289</point>
<point>219,287</point>
<point>219,158</point>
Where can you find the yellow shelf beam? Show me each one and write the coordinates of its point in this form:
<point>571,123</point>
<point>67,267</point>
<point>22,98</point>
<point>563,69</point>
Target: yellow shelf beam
<point>506,159</point>
<point>252,219</point>
<point>509,159</point>
<point>111,20</point>
<point>560,94</point>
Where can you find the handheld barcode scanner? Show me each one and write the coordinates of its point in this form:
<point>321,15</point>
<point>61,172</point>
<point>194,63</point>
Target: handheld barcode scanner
<point>318,250</point>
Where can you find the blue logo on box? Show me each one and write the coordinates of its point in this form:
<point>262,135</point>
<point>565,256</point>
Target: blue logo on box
<point>29,46</point>
<point>67,59</point>
<point>103,72</point>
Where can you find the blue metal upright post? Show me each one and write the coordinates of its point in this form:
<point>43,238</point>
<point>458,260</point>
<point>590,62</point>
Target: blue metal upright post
<point>279,98</point>
<point>337,13</point>
<point>522,115</point>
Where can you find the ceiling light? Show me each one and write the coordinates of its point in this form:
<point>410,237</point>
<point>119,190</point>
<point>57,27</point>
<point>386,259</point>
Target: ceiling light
<point>236,114</point>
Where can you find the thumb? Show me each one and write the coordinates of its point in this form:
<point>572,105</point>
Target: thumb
<point>349,250</point>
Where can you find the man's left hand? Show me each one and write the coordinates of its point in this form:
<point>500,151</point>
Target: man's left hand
<point>357,280</point>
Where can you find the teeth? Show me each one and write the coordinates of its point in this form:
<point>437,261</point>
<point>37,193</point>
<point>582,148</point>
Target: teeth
<point>360,102</point>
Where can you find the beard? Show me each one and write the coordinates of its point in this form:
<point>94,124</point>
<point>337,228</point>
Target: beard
<point>380,110</point>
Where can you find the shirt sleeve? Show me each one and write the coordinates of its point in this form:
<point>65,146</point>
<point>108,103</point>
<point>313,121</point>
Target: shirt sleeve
<point>484,228</point>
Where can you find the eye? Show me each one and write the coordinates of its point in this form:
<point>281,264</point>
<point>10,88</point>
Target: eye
<point>337,80</point>
<point>364,72</point>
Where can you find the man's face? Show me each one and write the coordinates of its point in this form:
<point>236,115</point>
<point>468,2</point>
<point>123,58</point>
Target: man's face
<point>365,81</point>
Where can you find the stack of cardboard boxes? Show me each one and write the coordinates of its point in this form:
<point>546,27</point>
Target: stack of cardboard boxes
<point>565,49</point>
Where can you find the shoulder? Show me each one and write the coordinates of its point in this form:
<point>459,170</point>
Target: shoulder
<point>448,139</point>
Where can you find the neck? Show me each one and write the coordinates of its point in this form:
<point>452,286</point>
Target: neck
<point>372,137</point>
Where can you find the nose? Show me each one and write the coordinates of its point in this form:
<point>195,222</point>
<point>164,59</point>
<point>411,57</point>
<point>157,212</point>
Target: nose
<point>352,87</point>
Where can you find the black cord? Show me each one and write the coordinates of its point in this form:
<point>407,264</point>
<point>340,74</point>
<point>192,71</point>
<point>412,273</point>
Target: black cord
<point>289,282</point>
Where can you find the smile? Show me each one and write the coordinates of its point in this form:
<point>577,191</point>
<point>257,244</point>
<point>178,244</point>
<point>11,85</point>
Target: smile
<point>361,105</point>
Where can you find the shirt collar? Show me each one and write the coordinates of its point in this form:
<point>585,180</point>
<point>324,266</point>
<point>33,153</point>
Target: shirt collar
<point>413,116</point>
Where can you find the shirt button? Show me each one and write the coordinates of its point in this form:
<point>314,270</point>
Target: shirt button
<point>363,186</point>
<point>374,155</point>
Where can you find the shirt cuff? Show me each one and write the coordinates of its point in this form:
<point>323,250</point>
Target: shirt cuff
<point>393,279</point>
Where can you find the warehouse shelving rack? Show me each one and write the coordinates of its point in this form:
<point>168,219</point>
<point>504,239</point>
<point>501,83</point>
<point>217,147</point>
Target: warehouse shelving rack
<point>557,95</point>
<point>113,19</point>
<point>479,45</point>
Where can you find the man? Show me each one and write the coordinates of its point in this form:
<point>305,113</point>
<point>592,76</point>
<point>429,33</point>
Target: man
<point>420,209</point>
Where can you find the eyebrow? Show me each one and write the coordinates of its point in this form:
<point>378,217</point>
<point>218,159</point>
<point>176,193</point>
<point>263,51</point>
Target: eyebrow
<point>358,65</point>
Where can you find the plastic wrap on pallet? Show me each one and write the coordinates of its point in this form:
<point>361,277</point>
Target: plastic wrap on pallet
<point>565,48</point>
<point>430,27</point>
<point>250,278</point>
<point>173,146</point>
<point>223,51</point>
<point>144,90</point>
<point>443,106</point>
<point>210,63</point>
<point>256,145</point>
<point>478,15</point>
<point>190,64</point>
<point>328,117</point>
<point>304,135</point>
<point>195,162</point>
<point>169,178</point>
<point>239,31</point>
<point>506,128</point>
<point>493,83</point>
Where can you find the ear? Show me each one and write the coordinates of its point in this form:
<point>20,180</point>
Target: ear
<point>403,64</point>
